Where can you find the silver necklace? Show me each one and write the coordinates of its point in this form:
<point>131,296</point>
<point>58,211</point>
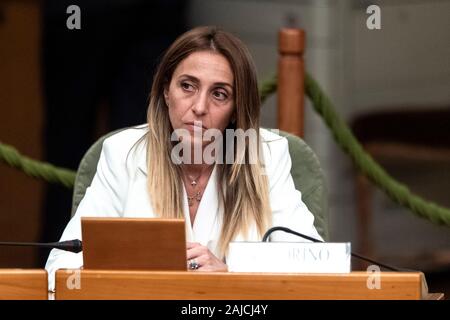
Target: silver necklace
<point>194,182</point>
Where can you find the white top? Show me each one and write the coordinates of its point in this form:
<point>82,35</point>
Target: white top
<point>119,189</point>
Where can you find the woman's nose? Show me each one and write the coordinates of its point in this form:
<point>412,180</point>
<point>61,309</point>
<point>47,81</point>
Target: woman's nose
<point>200,106</point>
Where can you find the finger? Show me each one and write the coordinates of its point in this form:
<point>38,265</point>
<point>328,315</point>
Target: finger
<point>212,264</point>
<point>196,252</point>
<point>190,245</point>
<point>200,260</point>
<point>206,261</point>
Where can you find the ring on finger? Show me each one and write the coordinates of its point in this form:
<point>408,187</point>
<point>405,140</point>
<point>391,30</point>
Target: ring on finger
<point>193,264</point>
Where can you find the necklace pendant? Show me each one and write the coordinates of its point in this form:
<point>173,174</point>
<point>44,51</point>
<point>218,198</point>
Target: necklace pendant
<point>193,183</point>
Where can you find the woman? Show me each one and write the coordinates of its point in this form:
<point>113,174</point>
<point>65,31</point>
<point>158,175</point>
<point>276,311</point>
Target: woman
<point>205,81</point>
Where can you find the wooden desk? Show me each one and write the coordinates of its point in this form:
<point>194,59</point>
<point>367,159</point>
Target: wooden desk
<point>23,284</point>
<point>237,286</point>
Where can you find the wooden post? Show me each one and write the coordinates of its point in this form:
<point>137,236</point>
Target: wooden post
<point>291,45</point>
<point>21,97</point>
<point>364,196</point>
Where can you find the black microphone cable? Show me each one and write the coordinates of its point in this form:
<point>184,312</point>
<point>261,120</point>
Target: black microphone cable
<point>69,245</point>
<point>273,229</point>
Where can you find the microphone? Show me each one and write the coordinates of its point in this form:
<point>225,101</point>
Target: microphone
<point>69,245</point>
<point>287,230</point>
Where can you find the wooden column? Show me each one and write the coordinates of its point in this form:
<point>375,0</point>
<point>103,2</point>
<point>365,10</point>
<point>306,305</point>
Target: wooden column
<point>291,45</point>
<point>21,123</point>
<point>364,204</point>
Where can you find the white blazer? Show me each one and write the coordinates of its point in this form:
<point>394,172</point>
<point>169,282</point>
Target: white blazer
<point>119,189</point>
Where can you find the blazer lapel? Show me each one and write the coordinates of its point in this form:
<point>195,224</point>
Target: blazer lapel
<point>142,160</point>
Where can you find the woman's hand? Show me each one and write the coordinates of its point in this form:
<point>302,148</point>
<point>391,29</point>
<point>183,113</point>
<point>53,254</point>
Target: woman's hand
<point>204,258</point>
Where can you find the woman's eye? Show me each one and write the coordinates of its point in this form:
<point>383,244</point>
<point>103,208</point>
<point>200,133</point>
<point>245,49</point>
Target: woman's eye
<point>187,86</point>
<point>220,95</point>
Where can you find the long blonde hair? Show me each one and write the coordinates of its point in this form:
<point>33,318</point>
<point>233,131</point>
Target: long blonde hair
<point>243,187</point>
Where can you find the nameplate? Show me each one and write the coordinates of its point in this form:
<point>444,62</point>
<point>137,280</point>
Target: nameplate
<point>302,257</point>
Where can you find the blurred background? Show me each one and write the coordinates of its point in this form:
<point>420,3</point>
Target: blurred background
<point>61,89</point>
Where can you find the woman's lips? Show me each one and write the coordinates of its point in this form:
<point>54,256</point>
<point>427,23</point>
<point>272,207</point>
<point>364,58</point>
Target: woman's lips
<point>194,126</point>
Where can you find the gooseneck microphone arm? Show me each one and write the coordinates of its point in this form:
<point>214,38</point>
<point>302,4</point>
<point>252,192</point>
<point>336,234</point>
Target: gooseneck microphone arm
<point>69,245</point>
<point>273,229</point>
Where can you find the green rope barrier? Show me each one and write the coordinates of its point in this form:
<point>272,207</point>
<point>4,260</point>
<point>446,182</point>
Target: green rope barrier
<point>35,168</point>
<point>267,88</point>
<point>341,132</point>
<point>364,162</point>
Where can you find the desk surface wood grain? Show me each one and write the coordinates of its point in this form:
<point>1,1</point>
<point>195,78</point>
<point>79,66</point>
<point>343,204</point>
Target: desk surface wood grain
<point>23,284</point>
<point>98,284</point>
